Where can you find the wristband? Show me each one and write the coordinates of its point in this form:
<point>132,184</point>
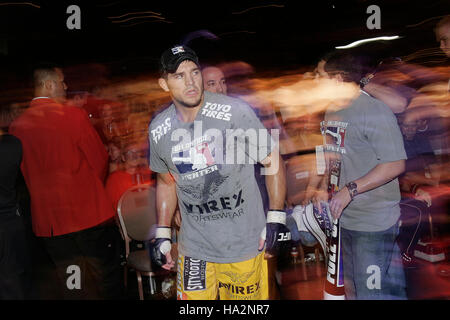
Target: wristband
<point>164,232</point>
<point>365,80</point>
<point>352,189</point>
<point>276,216</point>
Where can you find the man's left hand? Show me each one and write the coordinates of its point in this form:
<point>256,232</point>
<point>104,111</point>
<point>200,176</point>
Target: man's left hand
<point>275,233</point>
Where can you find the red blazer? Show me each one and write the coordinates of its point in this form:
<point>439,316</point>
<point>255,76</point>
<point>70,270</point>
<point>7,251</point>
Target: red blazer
<point>64,164</point>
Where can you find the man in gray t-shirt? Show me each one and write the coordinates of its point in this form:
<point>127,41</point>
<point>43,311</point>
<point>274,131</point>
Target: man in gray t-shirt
<point>203,148</point>
<point>369,136</point>
<point>364,146</point>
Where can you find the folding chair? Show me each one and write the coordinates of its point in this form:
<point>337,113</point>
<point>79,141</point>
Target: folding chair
<point>136,211</point>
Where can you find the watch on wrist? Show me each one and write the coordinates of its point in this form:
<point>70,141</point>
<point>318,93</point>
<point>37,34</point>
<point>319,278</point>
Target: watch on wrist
<point>365,80</point>
<point>352,189</point>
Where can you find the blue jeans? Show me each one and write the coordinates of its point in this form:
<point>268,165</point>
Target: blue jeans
<point>373,268</point>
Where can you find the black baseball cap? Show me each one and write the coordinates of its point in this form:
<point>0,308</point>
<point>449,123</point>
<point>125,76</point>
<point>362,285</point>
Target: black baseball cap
<point>171,58</point>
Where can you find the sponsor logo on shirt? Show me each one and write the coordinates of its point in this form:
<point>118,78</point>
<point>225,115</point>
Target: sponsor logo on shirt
<point>198,153</point>
<point>196,158</point>
<point>223,203</point>
<point>217,111</point>
<point>216,209</point>
<point>333,133</point>
<point>161,130</point>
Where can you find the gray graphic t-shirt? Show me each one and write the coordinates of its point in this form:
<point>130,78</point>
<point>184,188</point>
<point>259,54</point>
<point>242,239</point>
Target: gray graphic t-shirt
<point>212,161</point>
<point>363,135</point>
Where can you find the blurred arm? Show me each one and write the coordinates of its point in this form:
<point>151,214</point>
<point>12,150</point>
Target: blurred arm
<point>389,96</point>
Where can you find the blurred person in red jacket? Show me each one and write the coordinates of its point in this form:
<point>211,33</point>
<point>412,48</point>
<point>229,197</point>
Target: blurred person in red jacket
<point>64,165</point>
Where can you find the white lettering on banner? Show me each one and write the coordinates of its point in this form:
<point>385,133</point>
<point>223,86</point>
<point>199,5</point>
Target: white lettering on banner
<point>331,264</point>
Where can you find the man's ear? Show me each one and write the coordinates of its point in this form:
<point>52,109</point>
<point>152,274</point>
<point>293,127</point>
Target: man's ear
<point>163,84</point>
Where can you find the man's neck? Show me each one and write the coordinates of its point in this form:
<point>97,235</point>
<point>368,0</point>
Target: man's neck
<point>187,114</point>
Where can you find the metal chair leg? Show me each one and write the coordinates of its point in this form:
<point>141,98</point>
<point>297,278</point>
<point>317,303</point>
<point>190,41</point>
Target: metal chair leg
<point>125,276</point>
<point>152,283</point>
<point>141,290</point>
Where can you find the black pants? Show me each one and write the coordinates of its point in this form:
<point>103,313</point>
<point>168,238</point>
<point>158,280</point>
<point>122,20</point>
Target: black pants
<point>13,255</point>
<point>88,262</point>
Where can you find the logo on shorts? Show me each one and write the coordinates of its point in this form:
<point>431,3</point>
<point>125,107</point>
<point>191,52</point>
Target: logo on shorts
<point>194,274</point>
<point>239,277</point>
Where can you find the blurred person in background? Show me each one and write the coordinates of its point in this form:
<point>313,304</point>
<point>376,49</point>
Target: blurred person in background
<point>214,80</point>
<point>421,176</point>
<point>114,120</point>
<point>442,31</point>
<point>115,154</point>
<point>375,84</point>
<point>65,164</point>
<point>362,137</point>
<point>14,251</point>
<point>135,170</point>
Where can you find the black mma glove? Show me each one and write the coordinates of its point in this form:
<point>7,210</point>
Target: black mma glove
<point>275,233</point>
<point>161,246</point>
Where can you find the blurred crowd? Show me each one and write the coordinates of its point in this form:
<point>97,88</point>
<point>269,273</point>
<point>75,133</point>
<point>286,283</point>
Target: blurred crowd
<point>294,103</point>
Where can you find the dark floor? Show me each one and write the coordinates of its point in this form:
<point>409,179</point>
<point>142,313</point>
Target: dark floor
<point>426,280</point>
<point>44,285</point>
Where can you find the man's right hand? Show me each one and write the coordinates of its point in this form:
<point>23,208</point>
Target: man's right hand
<point>315,196</point>
<point>423,195</point>
<point>160,248</point>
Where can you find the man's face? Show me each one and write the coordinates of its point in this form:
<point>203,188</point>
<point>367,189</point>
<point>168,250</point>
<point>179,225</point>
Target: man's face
<point>409,128</point>
<point>134,157</point>
<point>443,36</point>
<point>214,80</point>
<point>58,88</point>
<point>114,152</point>
<point>185,84</point>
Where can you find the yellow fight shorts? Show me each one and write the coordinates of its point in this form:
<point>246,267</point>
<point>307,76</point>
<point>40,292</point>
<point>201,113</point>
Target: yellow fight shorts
<point>202,280</point>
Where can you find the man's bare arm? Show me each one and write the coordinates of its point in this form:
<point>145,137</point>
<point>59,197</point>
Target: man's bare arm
<point>276,189</point>
<point>166,203</point>
<point>276,182</point>
<point>166,199</point>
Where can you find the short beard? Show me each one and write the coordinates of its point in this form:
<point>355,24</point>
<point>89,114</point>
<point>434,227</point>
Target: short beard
<point>190,105</point>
